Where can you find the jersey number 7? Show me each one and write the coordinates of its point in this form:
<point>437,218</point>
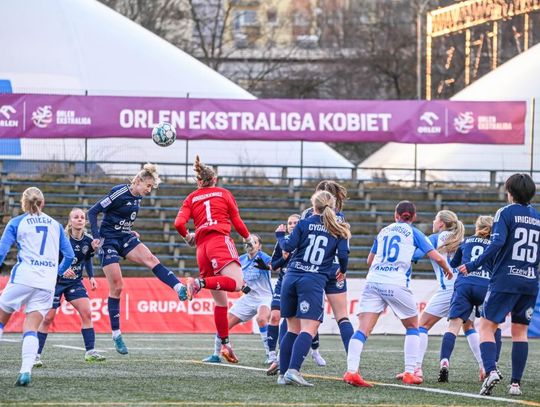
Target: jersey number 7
<point>45,230</point>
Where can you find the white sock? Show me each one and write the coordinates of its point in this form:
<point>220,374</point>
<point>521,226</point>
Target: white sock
<point>1,331</point>
<point>116,333</point>
<point>30,347</point>
<point>217,345</point>
<point>264,339</point>
<point>422,347</point>
<point>410,350</point>
<point>474,343</point>
<point>353,355</point>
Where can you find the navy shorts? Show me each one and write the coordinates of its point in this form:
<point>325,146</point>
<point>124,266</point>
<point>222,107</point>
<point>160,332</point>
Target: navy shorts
<point>302,295</point>
<point>71,290</point>
<point>112,249</point>
<point>497,305</point>
<point>335,287</point>
<point>464,299</point>
<point>276,297</point>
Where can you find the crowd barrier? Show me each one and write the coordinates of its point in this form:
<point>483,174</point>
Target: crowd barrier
<point>148,306</point>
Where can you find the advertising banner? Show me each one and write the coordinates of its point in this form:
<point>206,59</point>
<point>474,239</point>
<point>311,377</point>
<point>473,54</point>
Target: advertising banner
<point>405,121</point>
<point>147,305</point>
<point>388,323</point>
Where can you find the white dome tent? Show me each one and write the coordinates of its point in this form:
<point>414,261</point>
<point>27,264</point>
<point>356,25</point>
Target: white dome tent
<point>513,81</point>
<point>83,47</point>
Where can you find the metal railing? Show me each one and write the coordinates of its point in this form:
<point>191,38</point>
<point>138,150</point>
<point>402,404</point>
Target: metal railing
<point>255,173</point>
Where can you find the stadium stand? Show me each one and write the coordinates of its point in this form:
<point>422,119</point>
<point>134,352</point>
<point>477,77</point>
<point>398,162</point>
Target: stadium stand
<point>262,206</point>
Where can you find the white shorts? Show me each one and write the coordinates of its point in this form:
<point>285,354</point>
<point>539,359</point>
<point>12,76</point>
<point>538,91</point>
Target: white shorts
<point>439,304</point>
<point>16,295</point>
<point>248,306</point>
<point>377,296</point>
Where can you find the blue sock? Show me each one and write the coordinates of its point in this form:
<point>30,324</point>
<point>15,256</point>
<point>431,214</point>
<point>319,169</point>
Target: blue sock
<point>300,350</point>
<point>282,330</point>
<point>488,351</point>
<point>520,351</point>
<point>498,343</point>
<point>346,331</point>
<point>114,312</point>
<point>165,275</point>
<point>315,342</point>
<point>89,337</point>
<point>273,333</point>
<point>285,351</point>
<point>447,345</point>
<point>42,337</point>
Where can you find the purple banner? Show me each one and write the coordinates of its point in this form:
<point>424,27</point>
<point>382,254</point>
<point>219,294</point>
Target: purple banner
<point>47,116</point>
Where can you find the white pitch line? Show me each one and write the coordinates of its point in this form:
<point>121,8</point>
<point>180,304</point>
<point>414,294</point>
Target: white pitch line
<point>457,393</point>
<point>75,347</point>
<point>225,365</point>
<point>425,389</point>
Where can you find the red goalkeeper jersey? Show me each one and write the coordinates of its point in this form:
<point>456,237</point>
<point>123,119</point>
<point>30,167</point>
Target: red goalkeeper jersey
<point>213,210</point>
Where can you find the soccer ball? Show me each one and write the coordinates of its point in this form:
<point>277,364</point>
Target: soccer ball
<point>163,134</point>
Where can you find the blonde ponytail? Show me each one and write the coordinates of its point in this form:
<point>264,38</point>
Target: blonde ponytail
<point>325,204</point>
<point>32,200</point>
<point>483,226</point>
<point>457,231</point>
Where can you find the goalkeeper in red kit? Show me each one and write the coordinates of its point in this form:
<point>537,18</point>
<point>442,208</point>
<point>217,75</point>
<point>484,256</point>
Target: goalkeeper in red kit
<point>213,210</point>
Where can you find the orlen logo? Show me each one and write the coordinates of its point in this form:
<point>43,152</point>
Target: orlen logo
<point>464,122</point>
<point>430,119</point>
<point>42,116</point>
<point>5,116</point>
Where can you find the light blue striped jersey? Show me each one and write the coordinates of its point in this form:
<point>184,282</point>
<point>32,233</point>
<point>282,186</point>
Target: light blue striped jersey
<point>40,240</point>
<point>258,280</point>
<point>394,247</point>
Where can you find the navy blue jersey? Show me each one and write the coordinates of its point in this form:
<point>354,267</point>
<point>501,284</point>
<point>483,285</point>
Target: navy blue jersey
<point>278,262</point>
<point>515,238</point>
<point>472,248</point>
<point>83,258</point>
<point>315,248</point>
<point>120,208</point>
<point>340,218</point>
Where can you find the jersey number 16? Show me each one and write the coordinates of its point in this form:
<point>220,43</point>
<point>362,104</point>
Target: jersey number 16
<point>391,248</point>
<point>315,251</point>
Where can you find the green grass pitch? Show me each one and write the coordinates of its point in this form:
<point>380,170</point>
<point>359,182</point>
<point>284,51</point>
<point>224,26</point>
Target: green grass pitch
<point>163,370</point>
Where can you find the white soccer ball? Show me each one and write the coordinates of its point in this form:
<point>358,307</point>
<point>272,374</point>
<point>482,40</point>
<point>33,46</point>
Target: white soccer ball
<point>164,134</point>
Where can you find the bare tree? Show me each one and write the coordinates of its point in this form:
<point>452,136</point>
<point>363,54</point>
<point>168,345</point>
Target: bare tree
<point>168,19</point>
<point>211,19</point>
